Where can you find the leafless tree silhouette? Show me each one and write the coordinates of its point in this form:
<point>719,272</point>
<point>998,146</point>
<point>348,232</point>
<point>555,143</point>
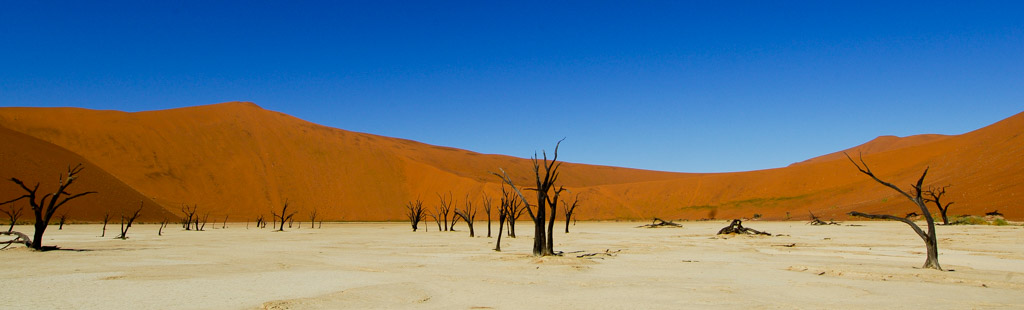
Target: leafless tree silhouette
<point>468,214</point>
<point>13,214</point>
<point>414,211</point>
<point>935,196</point>
<point>930,242</point>
<point>260,223</point>
<point>188,216</point>
<point>312,218</point>
<point>163,223</point>
<point>284,216</point>
<point>487,210</point>
<point>516,209</point>
<point>130,220</point>
<point>206,218</point>
<point>49,203</point>
<point>445,209</point>
<point>504,211</point>
<point>61,220</point>
<point>569,209</point>
<point>106,219</point>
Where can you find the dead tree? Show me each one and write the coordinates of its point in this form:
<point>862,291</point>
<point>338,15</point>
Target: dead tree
<point>445,209</point>
<point>935,196</point>
<point>468,215</point>
<point>284,216</point>
<point>206,218</point>
<point>188,216</point>
<point>259,221</point>
<point>13,214</point>
<point>455,219</point>
<point>487,210</point>
<point>163,224</point>
<point>504,211</point>
<point>816,221</point>
<point>60,220</point>
<point>312,218</point>
<point>106,219</point>
<point>932,261</point>
<point>568,210</point>
<point>49,203</point>
<point>130,219</point>
<point>414,211</point>
<point>736,227</point>
<point>659,223</point>
<point>515,211</point>
<point>437,219</point>
<point>545,185</point>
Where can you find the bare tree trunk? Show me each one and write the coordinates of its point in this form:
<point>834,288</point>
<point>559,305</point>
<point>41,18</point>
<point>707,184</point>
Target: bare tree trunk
<point>487,209</point>
<point>502,214</point>
<point>163,224</point>
<point>106,218</point>
<point>312,219</point>
<point>63,218</point>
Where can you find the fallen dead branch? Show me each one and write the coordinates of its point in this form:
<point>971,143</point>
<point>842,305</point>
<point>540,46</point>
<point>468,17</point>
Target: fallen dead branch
<point>20,238</point>
<point>658,223</point>
<point>737,228</point>
<point>600,255</point>
<point>817,222</point>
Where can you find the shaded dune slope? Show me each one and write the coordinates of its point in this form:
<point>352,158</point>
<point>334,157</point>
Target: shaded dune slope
<point>239,160</point>
<point>35,161</point>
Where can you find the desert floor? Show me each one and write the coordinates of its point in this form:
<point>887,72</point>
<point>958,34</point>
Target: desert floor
<point>385,265</point>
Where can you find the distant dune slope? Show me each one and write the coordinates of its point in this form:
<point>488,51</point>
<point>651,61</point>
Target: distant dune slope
<point>239,160</point>
<point>35,161</point>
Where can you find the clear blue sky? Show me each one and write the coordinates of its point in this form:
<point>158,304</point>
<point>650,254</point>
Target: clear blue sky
<point>679,86</point>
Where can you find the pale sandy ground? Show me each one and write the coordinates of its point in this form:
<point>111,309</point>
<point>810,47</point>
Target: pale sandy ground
<point>386,266</point>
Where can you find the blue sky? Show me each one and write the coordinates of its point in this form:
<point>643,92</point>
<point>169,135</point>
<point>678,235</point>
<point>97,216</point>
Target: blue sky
<point>684,86</point>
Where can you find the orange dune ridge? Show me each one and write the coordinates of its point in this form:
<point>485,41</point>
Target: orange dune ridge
<point>239,160</point>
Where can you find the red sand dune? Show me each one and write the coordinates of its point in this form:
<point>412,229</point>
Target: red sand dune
<point>239,160</point>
